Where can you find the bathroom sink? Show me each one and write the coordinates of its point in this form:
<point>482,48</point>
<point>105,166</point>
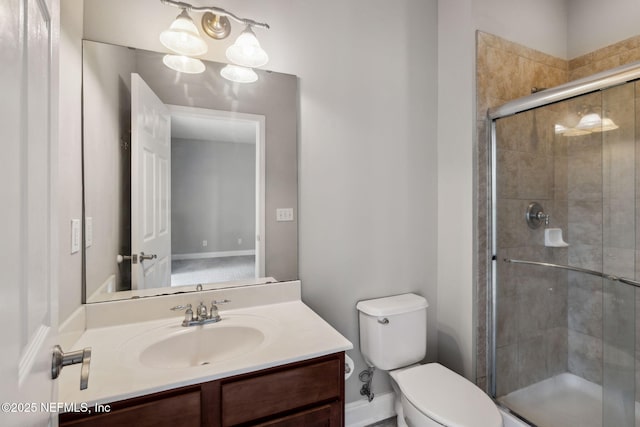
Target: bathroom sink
<point>201,345</point>
<point>178,347</point>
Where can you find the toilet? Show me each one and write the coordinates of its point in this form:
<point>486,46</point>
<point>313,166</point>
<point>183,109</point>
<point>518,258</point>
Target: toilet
<point>393,338</point>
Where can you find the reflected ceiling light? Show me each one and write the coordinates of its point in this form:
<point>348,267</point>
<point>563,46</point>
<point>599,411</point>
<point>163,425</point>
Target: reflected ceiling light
<point>607,124</point>
<point>589,122</point>
<point>183,37</point>
<point>184,64</point>
<point>560,129</point>
<point>246,51</point>
<point>575,132</point>
<point>238,74</point>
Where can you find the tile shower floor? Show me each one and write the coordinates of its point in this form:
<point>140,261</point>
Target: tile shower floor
<point>565,400</point>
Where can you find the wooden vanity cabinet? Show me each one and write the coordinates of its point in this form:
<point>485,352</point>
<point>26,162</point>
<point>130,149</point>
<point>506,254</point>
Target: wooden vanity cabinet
<point>302,394</point>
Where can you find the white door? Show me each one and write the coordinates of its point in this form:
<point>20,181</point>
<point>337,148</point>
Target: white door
<point>28,288</point>
<point>150,188</point>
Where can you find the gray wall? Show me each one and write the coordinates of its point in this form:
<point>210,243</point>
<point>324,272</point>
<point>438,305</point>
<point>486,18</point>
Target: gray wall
<point>213,196</point>
<point>107,160</point>
<point>70,153</point>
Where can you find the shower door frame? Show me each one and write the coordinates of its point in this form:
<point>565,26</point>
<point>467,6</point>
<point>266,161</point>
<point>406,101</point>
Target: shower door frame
<point>596,82</point>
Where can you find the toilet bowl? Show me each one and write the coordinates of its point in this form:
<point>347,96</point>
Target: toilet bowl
<point>433,396</point>
<point>393,337</point>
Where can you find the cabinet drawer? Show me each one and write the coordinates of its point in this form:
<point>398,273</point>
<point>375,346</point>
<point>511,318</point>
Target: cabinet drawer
<point>257,397</point>
<point>182,410</point>
<point>322,416</point>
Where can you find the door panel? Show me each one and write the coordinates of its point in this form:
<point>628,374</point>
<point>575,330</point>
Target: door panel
<point>27,169</point>
<point>150,186</point>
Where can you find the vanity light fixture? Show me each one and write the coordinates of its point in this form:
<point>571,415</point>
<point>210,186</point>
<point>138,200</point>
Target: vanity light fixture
<point>239,74</point>
<point>184,39</point>
<point>246,51</point>
<point>184,64</point>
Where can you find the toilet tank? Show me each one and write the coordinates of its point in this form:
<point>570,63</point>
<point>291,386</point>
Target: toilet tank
<point>393,330</point>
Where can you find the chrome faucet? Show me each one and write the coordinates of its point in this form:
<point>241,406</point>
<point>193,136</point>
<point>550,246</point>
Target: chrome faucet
<point>202,315</point>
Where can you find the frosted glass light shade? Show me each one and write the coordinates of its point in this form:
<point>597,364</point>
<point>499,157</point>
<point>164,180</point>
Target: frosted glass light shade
<point>184,64</point>
<point>183,37</point>
<point>238,74</point>
<point>246,51</point>
<point>575,132</point>
<point>607,124</point>
<point>589,122</point>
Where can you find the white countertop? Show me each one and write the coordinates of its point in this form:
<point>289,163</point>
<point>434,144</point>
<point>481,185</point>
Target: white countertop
<point>295,333</point>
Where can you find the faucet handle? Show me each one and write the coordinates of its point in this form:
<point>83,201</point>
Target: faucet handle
<point>188,314</point>
<point>181,307</point>
<point>213,312</point>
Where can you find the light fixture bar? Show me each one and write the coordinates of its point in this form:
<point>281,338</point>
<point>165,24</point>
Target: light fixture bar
<point>216,10</point>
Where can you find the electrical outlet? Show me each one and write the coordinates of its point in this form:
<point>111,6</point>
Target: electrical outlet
<point>204,243</point>
<point>284,214</point>
<point>88,231</point>
<point>239,240</point>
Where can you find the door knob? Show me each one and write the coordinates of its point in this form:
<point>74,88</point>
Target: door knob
<point>61,359</point>
<point>133,258</point>
<point>143,256</point>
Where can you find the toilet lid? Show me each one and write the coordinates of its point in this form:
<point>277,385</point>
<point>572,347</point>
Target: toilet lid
<point>447,397</point>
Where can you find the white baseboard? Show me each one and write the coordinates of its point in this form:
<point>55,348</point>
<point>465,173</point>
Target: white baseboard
<point>199,255</point>
<point>363,413</point>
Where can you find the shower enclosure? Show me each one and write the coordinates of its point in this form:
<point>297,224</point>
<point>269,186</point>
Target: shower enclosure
<point>565,203</point>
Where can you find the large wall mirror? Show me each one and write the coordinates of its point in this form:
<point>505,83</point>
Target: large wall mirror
<point>189,179</point>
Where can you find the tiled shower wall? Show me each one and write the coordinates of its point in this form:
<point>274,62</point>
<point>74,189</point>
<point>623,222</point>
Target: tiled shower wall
<point>553,309</point>
<point>507,71</point>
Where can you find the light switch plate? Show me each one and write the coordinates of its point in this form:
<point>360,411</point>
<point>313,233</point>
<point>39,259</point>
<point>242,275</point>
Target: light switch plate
<point>88,231</point>
<point>284,214</point>
<point>75,235</point>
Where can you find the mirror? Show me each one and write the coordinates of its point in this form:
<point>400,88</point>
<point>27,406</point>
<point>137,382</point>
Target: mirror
<point>213,202</point>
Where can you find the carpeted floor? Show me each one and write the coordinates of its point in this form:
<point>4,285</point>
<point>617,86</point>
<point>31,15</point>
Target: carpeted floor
<point>212,270</point>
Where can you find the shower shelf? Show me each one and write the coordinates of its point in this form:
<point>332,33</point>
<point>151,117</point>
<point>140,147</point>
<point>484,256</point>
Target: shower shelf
<point>553,238</point>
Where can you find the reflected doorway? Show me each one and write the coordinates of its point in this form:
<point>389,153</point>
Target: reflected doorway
<point>217,196</point>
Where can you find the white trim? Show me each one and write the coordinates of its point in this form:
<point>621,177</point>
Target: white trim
<point>363,413</point>
<point>220,254</point>
<point>39,338</point>
<point>261,174</point>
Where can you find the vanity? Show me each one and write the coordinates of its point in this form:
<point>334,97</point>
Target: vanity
<point>269,361</point>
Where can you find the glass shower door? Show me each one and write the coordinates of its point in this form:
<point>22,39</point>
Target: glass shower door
<point>619,245</point>
<point>561,337</point>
